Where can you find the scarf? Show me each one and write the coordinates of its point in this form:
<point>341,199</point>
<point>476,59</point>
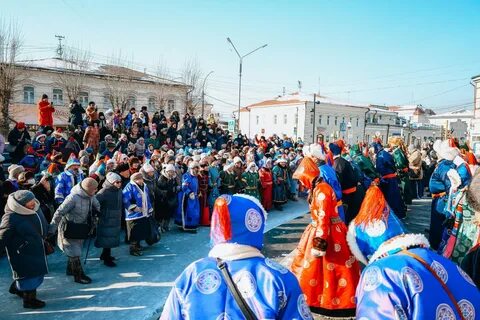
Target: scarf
<point>144,199</point>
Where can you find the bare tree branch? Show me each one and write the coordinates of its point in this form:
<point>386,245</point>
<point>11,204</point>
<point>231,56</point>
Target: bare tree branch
<point>192,76</point>
<point>10,47</point>
<point>73,75</point>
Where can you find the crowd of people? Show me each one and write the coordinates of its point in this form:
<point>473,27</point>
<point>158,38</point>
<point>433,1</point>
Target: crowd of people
<point>108,172</point>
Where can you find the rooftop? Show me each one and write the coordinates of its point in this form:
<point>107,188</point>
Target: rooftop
<point>461,113</point>
<point>94,68</point>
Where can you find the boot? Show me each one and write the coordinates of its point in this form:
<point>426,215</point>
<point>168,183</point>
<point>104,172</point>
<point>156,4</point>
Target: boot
<point>166,225</point>
<point>135,250</point>
<point>78,274</point>
<point>69,271</point>
<point>30,300</point>
<point>106,254</point>
<point>14,290</point>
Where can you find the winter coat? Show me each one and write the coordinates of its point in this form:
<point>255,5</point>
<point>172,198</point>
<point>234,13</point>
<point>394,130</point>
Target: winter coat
<point>166,197</point>
<point>46,199</point>
<point>92,138</point>
<point>76,114</point>
<point>109,219</point>
<point>21,231</point>
<point>132,196</point>
<point>64,184</point>
<point>45,114</point>
<point>76,208</point>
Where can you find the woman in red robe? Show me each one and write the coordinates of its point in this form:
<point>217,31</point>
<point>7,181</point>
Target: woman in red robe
<point>266,180</point>
<point>326,269</point>
<point>203,193</point>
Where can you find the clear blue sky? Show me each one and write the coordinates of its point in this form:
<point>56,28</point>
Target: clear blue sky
<point>383,52</point>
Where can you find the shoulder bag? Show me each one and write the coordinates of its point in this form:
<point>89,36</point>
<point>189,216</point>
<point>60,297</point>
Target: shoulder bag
<point>244,307</point>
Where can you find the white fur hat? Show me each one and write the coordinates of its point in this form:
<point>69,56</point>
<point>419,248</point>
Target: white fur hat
<point>446,152</point>
<point>147,167</point>
<point>436,145</point>
<point>315,150</point>
<point>169,167</point>
<point>193,164</point>
<point>237,160</point>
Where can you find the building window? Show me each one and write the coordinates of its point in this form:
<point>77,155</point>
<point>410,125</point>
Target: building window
<point>131,102</point>
<point>258,119</point>
<point>170,105</point>
<point>107,103</point>
<point>296,118</point>
<point>336,120</point>
<point>284,119</point>
<point>357,122</point>
<point>152,103</point>
<point>328,120</point>
<point>319,119</point>
<point>380,117</point>
<point>28,94</point>
<point>275,119</point>
<point>57,97</point>
<point>311,119</point>
<point>83,98</point>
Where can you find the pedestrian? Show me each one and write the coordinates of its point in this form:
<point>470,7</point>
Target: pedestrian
<point>22,231</point>
<point>403,278</point>
<point>68,179</point>
<point>43,192</point>
<point>73,222</point>
<point>399,154</point>
<point>213,182</point>
<point>251,181</point>
<point>18,138</point>
<point>45,112</point>
<point>91,139</point>
<point>326,269</point>
<point>188,211</point>
<point>109,219</point>
<point>76,114</point>
<point>266,182</point>
<point>92,113</point>
<point>203,193</point>
<point>279,175</point>
<point>167,199</point>
<point>268,289</point>
<point>138,208</point>
<point>415,172</point>
<point>227,179</point>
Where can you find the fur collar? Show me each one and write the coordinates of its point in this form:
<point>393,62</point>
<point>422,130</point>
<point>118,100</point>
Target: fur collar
<point>403,241</point>
<point>234,251</point>
<point>352,243</point>
<point>16,207</point>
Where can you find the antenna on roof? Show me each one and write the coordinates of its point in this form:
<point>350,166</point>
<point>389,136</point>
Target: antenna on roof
<point>60,46</point>
<point>299,86</point>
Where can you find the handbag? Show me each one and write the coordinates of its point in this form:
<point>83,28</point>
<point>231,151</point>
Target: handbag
<point>72,230</point>
<point>244,307</point>
<point>154,235</point>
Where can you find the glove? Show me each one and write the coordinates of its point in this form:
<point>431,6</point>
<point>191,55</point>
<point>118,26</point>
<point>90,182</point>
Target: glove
<point>192,196</point>
<point>319,247</point>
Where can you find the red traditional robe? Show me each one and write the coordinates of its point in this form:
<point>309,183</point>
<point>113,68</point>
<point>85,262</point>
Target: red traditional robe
<point>329,282</point>
<point>266,181</point>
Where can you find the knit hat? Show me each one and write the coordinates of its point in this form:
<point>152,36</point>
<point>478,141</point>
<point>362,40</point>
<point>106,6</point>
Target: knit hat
<point>20,125</point>
<point>23,196</point>
<point>112,177</point>
<point>89,183</point>
<point>84,161</point>
<point>147,167</point>
<point>72,161</point>
<point>136,176</point>
<point>14,170</point>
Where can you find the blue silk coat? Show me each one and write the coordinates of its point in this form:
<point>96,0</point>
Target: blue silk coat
<point>188,211</point>
<point>270,290</point>
<point>329,175</point>
<point>400,287</point>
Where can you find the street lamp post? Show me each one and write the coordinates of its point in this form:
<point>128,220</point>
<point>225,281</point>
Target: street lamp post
<point>203,93</point>
<point>240,57</point>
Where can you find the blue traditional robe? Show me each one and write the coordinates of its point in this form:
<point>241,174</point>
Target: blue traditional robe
<point>270,290</point>
<point>132,196</point>
<point>188,211</point>
<point>385,166</point>
<point>280,182</point>
<point>400,287</point>
<point>64,184</point>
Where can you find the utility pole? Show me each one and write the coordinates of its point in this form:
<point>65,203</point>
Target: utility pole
<point>60,46</point>
<point>240,57</point>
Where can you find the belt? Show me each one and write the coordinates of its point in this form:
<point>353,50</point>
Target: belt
<point>251,188</point>
<point>438,195</point>
<point>349,190</point>
<point>335,220</point>
<point>390,176</point>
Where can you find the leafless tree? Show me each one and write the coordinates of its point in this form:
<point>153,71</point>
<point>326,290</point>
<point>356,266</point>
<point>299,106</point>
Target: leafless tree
<point>120,83</point>
<point>74,70</point>
<point>192,76</point>
<point>10,47</point>
<point>161,77</point>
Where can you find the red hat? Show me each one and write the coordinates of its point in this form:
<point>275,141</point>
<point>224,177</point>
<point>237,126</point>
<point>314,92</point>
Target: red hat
<point>20,125</point>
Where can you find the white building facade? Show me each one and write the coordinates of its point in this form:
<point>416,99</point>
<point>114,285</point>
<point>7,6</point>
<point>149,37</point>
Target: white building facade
<point>458,122</point>
<point>42,77</point>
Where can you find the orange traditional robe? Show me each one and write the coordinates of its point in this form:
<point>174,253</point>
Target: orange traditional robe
<point>329,282</point>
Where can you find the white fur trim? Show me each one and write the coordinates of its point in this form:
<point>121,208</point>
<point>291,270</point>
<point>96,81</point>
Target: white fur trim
<point>447,152</point>
<point>317,253</point>
<point>401,241</point>
<point>254,200</point>
<point>316,151</point>
<point>454,177</point>
<point>436,145</point>
<point>234,251</point>
<point>352,243</point>
<point>458,161</point>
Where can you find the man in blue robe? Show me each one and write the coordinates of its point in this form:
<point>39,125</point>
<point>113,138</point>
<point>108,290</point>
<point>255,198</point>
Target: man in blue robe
<point>385,166</point>
<point>403,278</point>
<point>269,289</point>
<point>188,211</point>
